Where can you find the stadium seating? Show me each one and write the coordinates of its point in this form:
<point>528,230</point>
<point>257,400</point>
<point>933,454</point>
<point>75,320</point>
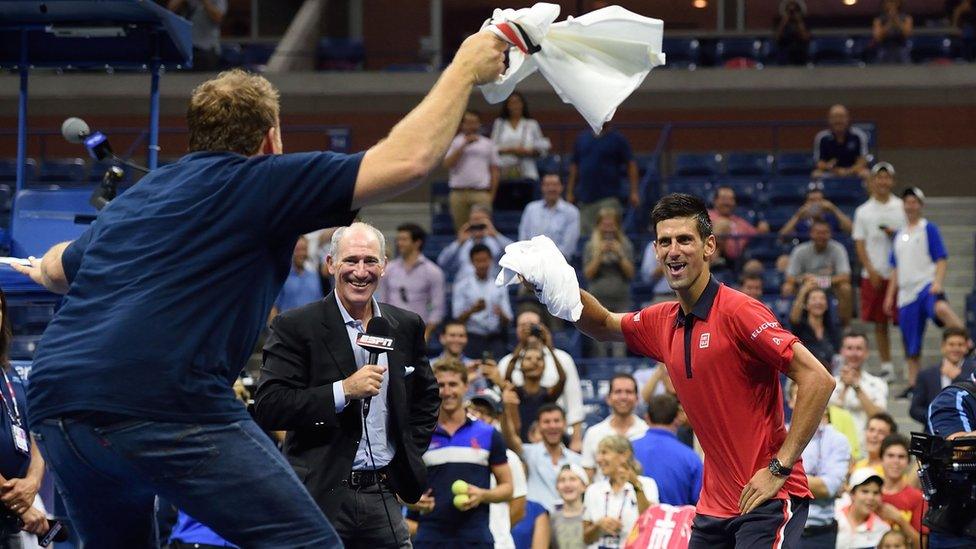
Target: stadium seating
<point>931,48</point>
<point>698,186</point>
<point>832,50</point>
<point>747,190</point>
<point>739,164</point>
<point>786,191</point>
<point>794,163</point>
<point>682,52</point>
<point>8,170</point>
<point>749,48</point>
<point>844,190</point>
<point>697,164</point>
<point>340,54</point>
<point>63,171</point>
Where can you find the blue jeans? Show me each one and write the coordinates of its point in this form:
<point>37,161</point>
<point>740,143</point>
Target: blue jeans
<point>228,476</point>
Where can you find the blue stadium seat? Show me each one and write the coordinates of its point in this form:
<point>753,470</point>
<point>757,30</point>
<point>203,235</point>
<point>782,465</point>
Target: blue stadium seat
<point>848,191</point>
<point>549,164</point>
<point>832,50</point>
<point>569,341</point>
<point>506,221</point>
<point>765,248</point>
<point>46,217</point>
<point>697,186</point>
<point>746,189</point>
<point>748,164</point>
<point>786,191</point>
<point>697,164</point>
<point>777,216</point>
<point>794,163</point>
<point>340,54</point>
<point>435,244</point>
<point>5,194</point>
<point>231,54</point>
<point>748,214</point>
<point>928,47</point>
<point>439,189</point>
<point>442,224</point>
<point>65,171</point>
<point>30,318</point>
<point>22,347</point>
<point>682,52</point>
<point>751,48</point>
<point>8,170</point>
<point>257,54</point>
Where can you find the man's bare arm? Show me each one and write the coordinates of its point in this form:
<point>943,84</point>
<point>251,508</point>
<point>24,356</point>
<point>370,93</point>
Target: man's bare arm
<point>48,272</point>
<point>597,322</point>
<point>814,387</point>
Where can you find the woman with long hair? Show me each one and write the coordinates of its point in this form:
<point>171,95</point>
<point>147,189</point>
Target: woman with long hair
<point>609,267</point>
<point>519,140</point>
<point>613,505</point>
<point>21,464</point>
<point>812,322</point>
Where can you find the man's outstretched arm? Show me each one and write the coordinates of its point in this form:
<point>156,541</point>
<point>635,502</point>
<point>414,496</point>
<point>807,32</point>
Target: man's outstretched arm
<point>597,322</point>
<point>48,271</point>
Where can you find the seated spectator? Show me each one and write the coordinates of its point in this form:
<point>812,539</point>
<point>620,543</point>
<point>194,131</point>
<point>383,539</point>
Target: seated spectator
<point>822,261</point>
<point>752,285</point>
<point>920,261</point>
<point>858,526</point>
<point>206,17</point>
<point>530,331</point>
<point>890,32</point>
<point>857,391</point>
<point>841,150</point>
<point>487,406</point>
<point>932,380</point>
<point>532,395</point>
<point>675,467</point>
<point>879,426</point>
<point>566,521</point>
<point>455,258</point>
<point>454,338</point>
<point>963,18</point>
<point>733,232</point>
<point>302,286</point>
<point>612,505</point>
<point>826,460</point>
<point>811,322</point>
<point>552,216</point>
<point>895,539</point>
<point>792,35</point>
<point>609,267</point>
<point>594,174</point>
<point>472,161</point>
<point>413,282</point>
<point>519,140</point>
<point>902,504</point>
<point>622,400</point>
<point>482,306</point>
<point>816,208</point>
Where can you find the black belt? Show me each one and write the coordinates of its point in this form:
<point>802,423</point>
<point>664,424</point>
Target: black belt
<point>365,479</point>
<point>830,527</point>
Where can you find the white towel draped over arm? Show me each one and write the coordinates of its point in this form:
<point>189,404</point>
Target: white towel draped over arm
<point>594,61</point>
<point>541,263</point>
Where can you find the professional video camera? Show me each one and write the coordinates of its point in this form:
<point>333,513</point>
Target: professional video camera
<point>947,469</point>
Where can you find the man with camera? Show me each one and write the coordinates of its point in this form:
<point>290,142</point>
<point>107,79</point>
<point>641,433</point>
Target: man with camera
<point>952,415</point>
<point>483,306</point>
<point>455,259</point>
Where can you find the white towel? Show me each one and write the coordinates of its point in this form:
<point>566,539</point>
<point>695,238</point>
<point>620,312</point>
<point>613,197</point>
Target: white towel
<point>594,61</point>
<point>541,263</point>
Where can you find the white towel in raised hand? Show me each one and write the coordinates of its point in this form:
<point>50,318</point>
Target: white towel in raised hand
<point>594,61</point>
<point>541,264</point>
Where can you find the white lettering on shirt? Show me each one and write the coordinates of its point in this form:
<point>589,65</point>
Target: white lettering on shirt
<point>762,327</point>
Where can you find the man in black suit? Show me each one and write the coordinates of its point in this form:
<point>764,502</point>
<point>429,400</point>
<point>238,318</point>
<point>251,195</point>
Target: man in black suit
<point>313,383</point>
<point>931,381</point>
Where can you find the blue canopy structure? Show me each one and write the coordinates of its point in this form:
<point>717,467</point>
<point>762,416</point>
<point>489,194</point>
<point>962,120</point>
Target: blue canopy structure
<point>69,34</point>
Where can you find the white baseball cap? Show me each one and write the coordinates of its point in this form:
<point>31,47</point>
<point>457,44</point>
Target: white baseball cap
<point>863,475</point>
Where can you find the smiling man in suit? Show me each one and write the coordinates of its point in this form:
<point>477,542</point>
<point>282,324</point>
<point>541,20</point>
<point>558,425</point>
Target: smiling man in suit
<point>313,383</point>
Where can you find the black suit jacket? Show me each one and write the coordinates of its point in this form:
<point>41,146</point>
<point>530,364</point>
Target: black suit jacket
<point>306,351</point>
<point>928,385</point>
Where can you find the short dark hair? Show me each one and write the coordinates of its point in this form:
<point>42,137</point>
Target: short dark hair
<point>505,115</point>
<point>724,188</point>
<point>453,322</point>
<point>662,409</point>
<point>478,248</point>
<point>951,331</point>
<point>885,417</point>
<point>624,375</point>
<point>821,221</point>
<point>854,332</point>
<point>550,407</point>
<point>416,232</point>
<point>677,205</point>
<point>894,439</point>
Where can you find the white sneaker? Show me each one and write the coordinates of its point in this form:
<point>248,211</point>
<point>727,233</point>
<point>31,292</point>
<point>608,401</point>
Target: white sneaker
<point>887,370</point>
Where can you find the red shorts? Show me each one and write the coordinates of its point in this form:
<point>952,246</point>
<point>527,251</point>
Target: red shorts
<point>872,302</point>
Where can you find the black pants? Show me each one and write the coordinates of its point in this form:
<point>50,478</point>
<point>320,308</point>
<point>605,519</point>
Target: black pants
<point>362,523</point>
<point>773,525</point>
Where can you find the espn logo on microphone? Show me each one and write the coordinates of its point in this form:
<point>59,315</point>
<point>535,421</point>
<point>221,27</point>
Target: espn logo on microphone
<point>380,344</point>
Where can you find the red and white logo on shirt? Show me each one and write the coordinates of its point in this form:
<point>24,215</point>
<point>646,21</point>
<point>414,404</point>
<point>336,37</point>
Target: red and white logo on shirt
<point>703,340</point>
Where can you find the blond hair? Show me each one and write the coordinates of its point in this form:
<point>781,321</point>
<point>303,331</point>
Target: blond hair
<point>451,365</point>
<point>622,446</point>
<point>597,237</point>
<point>232,112</point>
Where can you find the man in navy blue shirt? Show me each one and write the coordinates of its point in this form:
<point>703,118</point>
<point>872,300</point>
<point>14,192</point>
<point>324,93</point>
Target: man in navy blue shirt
<point>841,150</point>
<point>595,174</point>
<point>466,449</point>
<point>166,293</point>
<point>675,467</point>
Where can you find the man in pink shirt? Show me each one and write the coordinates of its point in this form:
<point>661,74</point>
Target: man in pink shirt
<point>472,161</point>
<point>733,232</point>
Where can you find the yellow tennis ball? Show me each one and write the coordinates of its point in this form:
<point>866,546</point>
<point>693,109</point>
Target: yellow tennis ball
<point>460,500</point>
<point>459,487</point>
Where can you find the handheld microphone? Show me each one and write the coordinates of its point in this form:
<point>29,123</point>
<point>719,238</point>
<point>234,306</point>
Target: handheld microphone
<point>377,339</point>
<point>76,130</point>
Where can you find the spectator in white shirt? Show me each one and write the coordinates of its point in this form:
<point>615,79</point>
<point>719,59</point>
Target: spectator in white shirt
<point>519,140</point>
<point>612,505</point>
<point>552,216</point>
<point>482,306</point>
<point>622,399</point>
<point>858,526</point>
<point>857,391</point>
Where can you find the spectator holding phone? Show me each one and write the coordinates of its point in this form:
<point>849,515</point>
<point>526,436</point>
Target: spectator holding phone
<point>472,160</point>
<point>532,395</point>
<point>455,259</point>
<point>482,306</point>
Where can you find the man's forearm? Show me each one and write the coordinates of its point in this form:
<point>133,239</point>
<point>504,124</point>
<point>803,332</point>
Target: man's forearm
<point>499,494</point>
<point>868,405</point>
<point>814,387</point>
<point>940,271</point>
<point>596,321</point>
<point>52,271</point>
<point>862,255</point>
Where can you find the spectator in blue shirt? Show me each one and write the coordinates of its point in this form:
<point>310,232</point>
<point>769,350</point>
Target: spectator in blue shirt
<point>595,173</point>
<point>455,259</point>
<point>466,449</point>
<point>552,216</point>
<point>815,208</point>
<point>675,467</point>
<point>841,150</point>
<point>482,306</point>
<point>303,286</point>
<point>167,292</point>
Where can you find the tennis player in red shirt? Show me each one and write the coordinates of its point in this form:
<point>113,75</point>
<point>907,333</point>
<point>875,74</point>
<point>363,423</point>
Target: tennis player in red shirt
<point>724,352</point>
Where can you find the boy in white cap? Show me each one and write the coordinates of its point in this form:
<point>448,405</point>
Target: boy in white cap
<point>858,524</point>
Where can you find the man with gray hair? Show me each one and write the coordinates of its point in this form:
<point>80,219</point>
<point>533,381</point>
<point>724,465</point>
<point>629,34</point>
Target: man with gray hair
<point>354,459</point>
